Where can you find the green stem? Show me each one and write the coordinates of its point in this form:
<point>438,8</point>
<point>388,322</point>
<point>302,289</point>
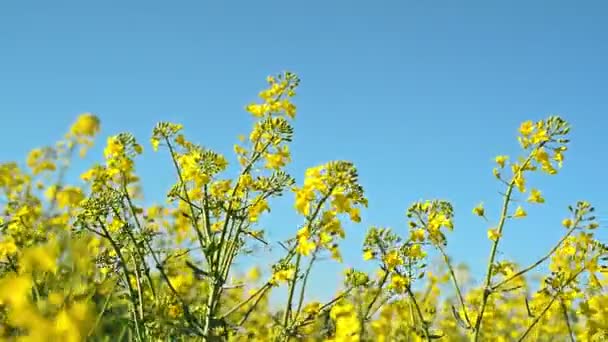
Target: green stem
<point>541,260</point>
<point>305,281</point>
<point>553,299</point>
<point>292,288</point>
<point>425,327</point>
<point>241,304</point>
<point>455,283</point>
<point>503,217</point>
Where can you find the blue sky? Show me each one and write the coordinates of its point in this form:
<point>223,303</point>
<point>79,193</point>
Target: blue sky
<point>421,97</point>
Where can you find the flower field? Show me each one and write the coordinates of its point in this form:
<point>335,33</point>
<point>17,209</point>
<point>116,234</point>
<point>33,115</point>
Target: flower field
<point>89,261</point>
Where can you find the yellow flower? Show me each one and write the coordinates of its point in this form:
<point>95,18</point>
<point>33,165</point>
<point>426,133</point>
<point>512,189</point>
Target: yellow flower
<point>526,128</point>
<point>115,225</point>
<point>392,260</point>
<point>559,158</point>
<point>535,197</point>
<point>493,234</point>
<point>500,160</point>
<point>341,203</point>
<point>399,283</point>
<point>43,258</point>
<point>7,247</point>
<point>335,253</point>
<point>479,210</point>
<point>312,309</point>
<point>254,274</point>
<point>540,136</point>
<point>87,124</point>
<point>368,255</point>
<point>256,209</point>
<point>354,214</point>
<point>289,108</point>
<point>520,182</point>
<point>256,109</point>
<point>305,246</point>
<point>283,275</point>
<point>567,223</point>
<point>113,148</point>
<point>69,196</point>
<point>154,142</point>
<point>417,235</point>
<point>415,251</point>
<point>303,198</point>
<point>519,212</point>
<point>541,156</point>
<point>279,159</point>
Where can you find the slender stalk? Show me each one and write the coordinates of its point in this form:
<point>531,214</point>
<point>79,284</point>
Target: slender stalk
<point>253,306</point>
<point>305,281</point>
<point>139,290</point>
<point>539,261</point>
<point>220,250</point>
<point>487,292</point>
<point>503,217</point>
<point>376,296</point>
<point>455,283</point>
<point>292,288</point>
<point>191,319</point>
<point>425,327</point>
<point>123,264</point>
<point>103,310</point>
<point>567,320</point>
<point>261,290</point>
<point>134,241</point>
<point>199,234</point>
<point>292,285</point>
<point>368,308</point>
<point>555,297</point>
<point>311,317</point>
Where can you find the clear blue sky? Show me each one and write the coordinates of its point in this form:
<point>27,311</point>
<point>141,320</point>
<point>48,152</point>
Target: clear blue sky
<point>421,97</point>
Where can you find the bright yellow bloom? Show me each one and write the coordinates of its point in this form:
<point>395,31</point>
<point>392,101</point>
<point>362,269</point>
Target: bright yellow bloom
<point>415,251</point>
<point>479,210</point>
<point>520,182</point>
<point>256,110</point>
<point>392,259</point>
<point>526,128</point>
<point>535,197</point>
<point>113,148</point>
<point>501,160</point>
<point>42,258</point>
<point>541,156</point>
<point>283,275</point>
<point>256,209</point>
<point>87,124</point>
<point>567,223</point>
<point>312,309</point>
<point>154,142</point>
<point>7,247</point>
<point>355,214</point>
<point>540,136</point>
<point>519,212</point>
<point>399,283</point>
<point>368,255</point>
<point>254,274</point>
<point>115,225</point>
<point>305,246</point>
<point>417,235</point>
<point>493,234</point>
